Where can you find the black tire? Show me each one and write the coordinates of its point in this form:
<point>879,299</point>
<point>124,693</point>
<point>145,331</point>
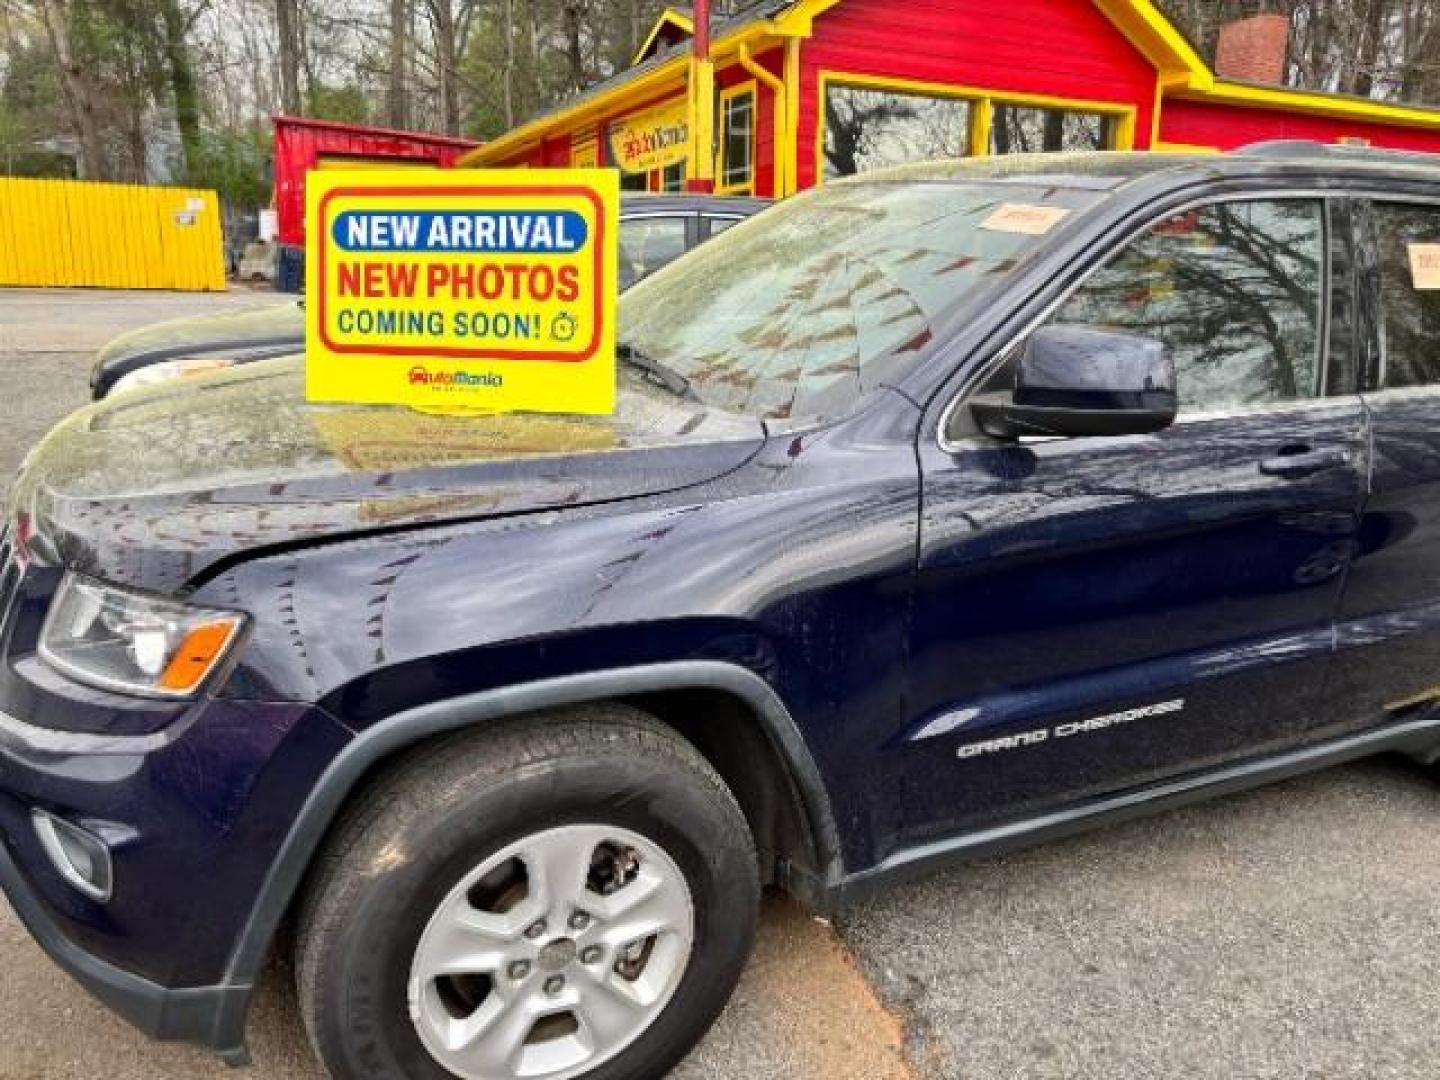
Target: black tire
<point>423,824</point>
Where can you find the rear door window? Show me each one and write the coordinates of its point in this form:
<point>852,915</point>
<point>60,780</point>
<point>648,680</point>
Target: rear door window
<point>1409,243</point>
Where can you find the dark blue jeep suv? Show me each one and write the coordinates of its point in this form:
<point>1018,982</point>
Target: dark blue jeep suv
<point>944,510</point>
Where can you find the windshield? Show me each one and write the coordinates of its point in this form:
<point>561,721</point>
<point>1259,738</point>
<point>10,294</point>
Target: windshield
<point>803,309</point>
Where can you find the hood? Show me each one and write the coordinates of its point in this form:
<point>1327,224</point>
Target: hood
<point>152,487</point>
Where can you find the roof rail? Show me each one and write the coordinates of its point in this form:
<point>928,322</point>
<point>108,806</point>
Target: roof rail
<point>1308,148</point>
<point>1286,148</point>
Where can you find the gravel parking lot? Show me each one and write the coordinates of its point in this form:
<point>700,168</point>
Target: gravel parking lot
<point>1292,932</point>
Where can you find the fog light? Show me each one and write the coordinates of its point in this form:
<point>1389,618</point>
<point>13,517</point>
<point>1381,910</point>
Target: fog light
<point>82,859</point>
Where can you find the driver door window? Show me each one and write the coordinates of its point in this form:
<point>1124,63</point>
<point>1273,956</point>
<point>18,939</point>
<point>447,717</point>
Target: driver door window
<point>1235,290</point>
<point>1060,579</point>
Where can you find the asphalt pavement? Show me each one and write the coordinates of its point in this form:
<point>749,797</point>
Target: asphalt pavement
<point>1290,932</point>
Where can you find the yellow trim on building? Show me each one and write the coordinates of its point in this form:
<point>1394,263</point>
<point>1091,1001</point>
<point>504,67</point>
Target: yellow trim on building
<point>982,106</point>
<point>792,120</point>
<point>1122,135</point>
<point>668,17</point>
<point>1148,28</point>
<point>1161,147</point>
<point>982,126</point>
<point>781,122</point>
<point>799,20</point>
<point>751,88</point>
<point>1332,106</point>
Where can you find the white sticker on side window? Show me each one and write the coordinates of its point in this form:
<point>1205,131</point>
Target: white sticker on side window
<point>1425,266</point>
<point>1027,220</point>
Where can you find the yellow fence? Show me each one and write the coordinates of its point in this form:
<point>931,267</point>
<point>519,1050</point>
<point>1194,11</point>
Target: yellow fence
<point>113,236</point>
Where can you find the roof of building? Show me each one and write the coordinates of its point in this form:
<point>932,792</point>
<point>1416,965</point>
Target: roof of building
<point>1181,68</point>
<point>678,17</point>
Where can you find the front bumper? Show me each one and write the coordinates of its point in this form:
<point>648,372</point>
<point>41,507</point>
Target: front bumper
<point>193,826</point>
<point>209,1016</point>
<point>192,802</point>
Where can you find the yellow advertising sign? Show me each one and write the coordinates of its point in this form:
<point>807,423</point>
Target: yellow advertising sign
<point>651,139</point>
<point>463,291</point>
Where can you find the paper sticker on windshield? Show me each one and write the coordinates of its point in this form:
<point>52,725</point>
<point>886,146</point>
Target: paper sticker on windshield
<point>1025,220</point>
<point>463,290</point>
<point>1425,266</point>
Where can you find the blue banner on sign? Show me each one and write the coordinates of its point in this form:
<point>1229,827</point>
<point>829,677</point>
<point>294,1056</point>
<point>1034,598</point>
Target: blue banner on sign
<point>507,232</point>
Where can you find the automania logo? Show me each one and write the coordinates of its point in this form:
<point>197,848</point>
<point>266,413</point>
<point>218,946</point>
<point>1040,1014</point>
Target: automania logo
<point>636,144</point>
<point>455,380</point>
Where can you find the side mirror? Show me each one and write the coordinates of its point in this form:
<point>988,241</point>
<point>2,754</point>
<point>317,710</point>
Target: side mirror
<point>1083,380</point>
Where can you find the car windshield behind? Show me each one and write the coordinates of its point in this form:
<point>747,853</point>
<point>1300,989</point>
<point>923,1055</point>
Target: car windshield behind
<point>803,309</point>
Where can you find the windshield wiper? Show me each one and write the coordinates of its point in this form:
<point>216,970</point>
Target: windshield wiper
<point>655,371</point>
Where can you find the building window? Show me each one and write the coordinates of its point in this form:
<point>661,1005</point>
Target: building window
<point>634,181</point>
<point>869,129</point>
<point>672,177</point>
<point>873,126</point>
<point>1022,129</point>
<point>737,140</point>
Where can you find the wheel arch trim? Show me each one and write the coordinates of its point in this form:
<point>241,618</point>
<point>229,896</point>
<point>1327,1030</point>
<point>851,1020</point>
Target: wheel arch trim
<point>396,733</point>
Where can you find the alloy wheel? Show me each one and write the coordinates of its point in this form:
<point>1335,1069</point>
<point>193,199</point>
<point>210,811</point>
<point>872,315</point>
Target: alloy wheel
<point>553,955</point>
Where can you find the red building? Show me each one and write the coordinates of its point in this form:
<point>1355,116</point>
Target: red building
<point>812,88</point>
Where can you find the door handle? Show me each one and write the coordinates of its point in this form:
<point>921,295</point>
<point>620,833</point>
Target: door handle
<point>1293,462</point>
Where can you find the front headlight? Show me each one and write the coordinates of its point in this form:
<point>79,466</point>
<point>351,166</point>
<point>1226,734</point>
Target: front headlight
<point>119,640</point>
<point>166,370</point>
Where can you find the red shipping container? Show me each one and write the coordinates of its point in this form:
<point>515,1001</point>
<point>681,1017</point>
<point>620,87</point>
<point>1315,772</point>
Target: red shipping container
<point>302,145</point>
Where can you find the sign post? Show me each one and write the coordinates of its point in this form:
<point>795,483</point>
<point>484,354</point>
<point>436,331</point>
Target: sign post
<point>460,291</point>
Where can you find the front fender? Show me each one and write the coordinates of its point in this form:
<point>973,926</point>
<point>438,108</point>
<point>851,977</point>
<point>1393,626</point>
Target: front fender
<point>396,733</point>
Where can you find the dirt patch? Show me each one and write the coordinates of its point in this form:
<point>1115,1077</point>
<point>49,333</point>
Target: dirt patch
<point>819,1003</point>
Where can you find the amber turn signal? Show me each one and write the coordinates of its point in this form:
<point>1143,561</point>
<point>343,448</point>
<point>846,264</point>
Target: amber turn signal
<point>199,651</point>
